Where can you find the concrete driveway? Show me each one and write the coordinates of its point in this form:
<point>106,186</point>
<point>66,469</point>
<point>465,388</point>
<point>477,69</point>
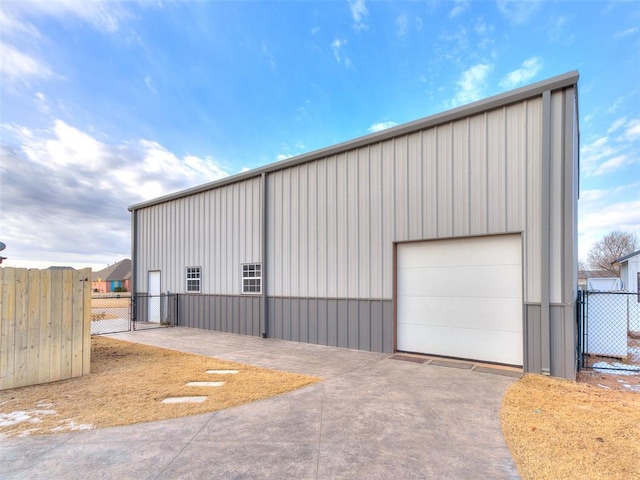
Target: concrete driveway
<point>373,417</point>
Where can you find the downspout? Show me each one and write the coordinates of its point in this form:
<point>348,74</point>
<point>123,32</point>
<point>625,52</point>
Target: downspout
<point>264,329</point>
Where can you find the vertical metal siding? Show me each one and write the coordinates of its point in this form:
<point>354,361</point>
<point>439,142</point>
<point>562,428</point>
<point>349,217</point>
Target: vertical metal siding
<point>556,205</point>
<point>533,209</point>
<point>216,230</point>
<point>473,176</point>
<point>460,180</point>
<point>478,173</point>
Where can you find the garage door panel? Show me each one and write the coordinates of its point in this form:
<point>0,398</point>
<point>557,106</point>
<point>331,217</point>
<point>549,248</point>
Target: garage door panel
<point>469,313</point>
<point>502,281</point>
<point>461,298</point>
<point>461,343</point>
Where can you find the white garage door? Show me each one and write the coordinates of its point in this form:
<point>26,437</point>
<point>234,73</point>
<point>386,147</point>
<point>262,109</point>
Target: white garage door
<point>461,298</point>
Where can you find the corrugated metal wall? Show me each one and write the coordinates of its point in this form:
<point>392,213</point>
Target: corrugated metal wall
<point>216,230</point>
<point>332,222</point>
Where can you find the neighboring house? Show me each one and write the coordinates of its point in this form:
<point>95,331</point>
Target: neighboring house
<point>583,275</point>
<point>453,235</point>
<point>114,278</point>
<point>630,272</point>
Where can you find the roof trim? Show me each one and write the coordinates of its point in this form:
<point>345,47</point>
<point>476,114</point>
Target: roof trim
<point>555,83</point>
<point>626,257</point>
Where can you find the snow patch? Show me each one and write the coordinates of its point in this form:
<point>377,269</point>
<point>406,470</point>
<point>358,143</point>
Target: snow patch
<point>633,388</point>
<point>19,416</point>
<point>73,426</point>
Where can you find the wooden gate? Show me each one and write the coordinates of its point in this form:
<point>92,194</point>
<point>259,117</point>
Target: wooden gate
<point>45,325</point>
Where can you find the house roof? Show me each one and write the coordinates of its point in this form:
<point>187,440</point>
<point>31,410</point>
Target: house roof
<point>584,274</point>
<point>117,272</point>
<point>555,83</point>
<point>626,257</point>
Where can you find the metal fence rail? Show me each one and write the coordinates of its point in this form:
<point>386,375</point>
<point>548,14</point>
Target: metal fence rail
<point>609,331</point>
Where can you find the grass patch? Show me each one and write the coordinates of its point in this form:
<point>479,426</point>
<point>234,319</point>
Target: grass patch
<point>555,428</point>
<point>127,383</point>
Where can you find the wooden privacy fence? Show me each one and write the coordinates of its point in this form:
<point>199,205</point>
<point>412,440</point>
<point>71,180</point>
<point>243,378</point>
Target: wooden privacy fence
<point>45,328</point>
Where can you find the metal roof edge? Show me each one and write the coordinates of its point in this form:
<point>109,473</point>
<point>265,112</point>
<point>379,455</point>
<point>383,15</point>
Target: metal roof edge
<point>626,257</point>
<point>512,96</point>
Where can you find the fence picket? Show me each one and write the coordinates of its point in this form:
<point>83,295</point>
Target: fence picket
<point>33,327</point>
<point>44,367</point>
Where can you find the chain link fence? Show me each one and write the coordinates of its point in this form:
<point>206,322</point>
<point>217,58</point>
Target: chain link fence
<point>609,331</point>
<point>110,313</point>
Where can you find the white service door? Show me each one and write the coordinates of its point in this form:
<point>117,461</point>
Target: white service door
<point>153,301</point>
<point>461,298</point>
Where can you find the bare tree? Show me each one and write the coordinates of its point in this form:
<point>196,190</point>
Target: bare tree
<point>611,247</point>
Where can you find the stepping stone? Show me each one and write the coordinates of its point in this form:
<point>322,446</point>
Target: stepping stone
<point>205,384</point>
<point>184,400</point>
<point>222,372</point>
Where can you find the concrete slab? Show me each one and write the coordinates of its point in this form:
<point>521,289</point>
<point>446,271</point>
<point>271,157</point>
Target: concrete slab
<point>371,417</point>
<point>198,399</point>
<point>205,384</point>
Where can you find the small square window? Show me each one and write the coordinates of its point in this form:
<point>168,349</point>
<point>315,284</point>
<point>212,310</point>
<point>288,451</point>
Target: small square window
<point>252,278</point>
<point>193,279</point>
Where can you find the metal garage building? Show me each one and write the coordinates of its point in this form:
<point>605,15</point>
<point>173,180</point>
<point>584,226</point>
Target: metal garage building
<point>453,235</point>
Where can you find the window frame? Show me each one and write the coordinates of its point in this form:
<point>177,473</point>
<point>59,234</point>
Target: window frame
<point>251,282</point>
<point>189,279</point>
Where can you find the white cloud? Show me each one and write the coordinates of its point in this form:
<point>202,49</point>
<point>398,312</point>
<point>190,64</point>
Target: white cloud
<point>613,164</point>
<point>337,46</point>
<point>66,192</point>
<point>104,15</point>
<point>148,81</point>
<point>359,13</point>
<point>619,123</point>
<point>271,59</point>
<point>471,84</point>
<point>518,11</point>
<point>283,156</point>
<point>20,67</point>
<point>632,132</point>
<point>627,32</point>
<point>460,7</point>
<point>527,71</point>
<point>603,211</point>
<point>402,24</point>
<point>11,26</point>
<point>376,127</point>
<point>611,152</point>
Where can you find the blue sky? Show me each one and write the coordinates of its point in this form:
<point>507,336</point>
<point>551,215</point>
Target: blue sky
<point>106,104</point>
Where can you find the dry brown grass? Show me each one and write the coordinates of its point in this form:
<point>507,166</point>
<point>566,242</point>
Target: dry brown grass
<point>126,385</point>
<point>557,429</point>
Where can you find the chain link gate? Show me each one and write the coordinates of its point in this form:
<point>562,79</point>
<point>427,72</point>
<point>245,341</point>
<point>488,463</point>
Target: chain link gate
<point>154,311</point>
<point>609,331</point>
<point>126,313</point>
